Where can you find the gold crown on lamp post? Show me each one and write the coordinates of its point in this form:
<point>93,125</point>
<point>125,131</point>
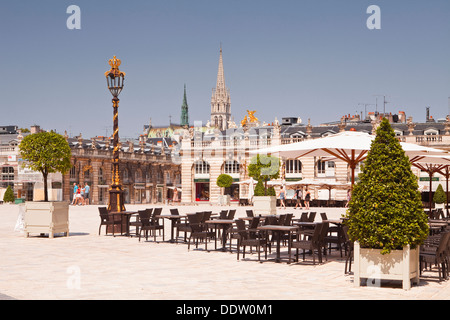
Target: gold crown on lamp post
<point>114,71</point>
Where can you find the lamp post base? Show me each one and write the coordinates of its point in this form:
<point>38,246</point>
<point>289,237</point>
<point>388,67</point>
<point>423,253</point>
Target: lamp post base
<point>116,199</point>
<point>116,204</point>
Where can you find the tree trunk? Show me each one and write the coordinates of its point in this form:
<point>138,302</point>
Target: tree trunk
<point>45,175</point>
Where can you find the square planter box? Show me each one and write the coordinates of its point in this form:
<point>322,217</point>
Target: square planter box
<point>46,217</point>
<point>264,205</point>
<point>223,200</point>
<point>398,265</point>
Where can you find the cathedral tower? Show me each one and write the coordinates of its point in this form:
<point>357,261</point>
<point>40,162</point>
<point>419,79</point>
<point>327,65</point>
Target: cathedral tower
<point>220,100</point>
<point>184,111</point>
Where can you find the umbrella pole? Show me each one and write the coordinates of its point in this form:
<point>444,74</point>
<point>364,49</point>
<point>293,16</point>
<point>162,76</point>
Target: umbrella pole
<point>446,188</point>
<point>430,173</point>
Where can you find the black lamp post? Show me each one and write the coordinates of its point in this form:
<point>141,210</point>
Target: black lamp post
<point>115,79</point>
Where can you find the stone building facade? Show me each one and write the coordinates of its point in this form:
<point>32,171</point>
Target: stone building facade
<point>207,154</point>
<point>148,173</point>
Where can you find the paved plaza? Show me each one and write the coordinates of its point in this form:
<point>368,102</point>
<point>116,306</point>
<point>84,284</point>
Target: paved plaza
<point>87,266</point>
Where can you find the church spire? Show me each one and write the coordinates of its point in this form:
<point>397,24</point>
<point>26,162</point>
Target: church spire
<point>184,110</point>
<point>220,100</point>
<point>220,87</point>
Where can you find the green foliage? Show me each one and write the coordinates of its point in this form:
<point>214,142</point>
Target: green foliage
<point>46,152</point>
<point>224,181</point>
<point>439,196</point>
<point>271,191</point>
<point>9,195</point>
<point>385,211</point>
<point>259,189</point>
<point>264,168</point>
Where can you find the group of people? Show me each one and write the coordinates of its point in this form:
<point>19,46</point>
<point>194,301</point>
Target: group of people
<point>80,194</point>
<point>298,195</point>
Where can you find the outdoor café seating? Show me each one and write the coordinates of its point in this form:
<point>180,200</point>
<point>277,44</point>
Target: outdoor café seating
<point>199,230</point>
<point>108,220</point>
<point>180,226</point>
<point>435,251</point>
<point>250,238</point>
<point>313,243</point>
<point>149,222</point>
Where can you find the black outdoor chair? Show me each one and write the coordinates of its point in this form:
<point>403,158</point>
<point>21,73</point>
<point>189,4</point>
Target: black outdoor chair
<point>435,252</point>
<point>312,244</point>
<point>149,223</point>
<point>137,223</point>
<point>198,231</point>
<point>249,238</point>
<point>348,250</point>
<point>231,214</point>
<point>223,214</point>
<point>249,213</point>
<point>108,220</point>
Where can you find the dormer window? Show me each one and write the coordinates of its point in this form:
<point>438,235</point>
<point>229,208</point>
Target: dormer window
<point>431,132</point>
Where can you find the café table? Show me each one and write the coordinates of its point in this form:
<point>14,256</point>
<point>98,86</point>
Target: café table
<point>278,230</point>
<point>124,214</point>
<point>174,218</point>
<point>224,224</point>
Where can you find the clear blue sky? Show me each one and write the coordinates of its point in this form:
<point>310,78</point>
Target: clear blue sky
<point>310,59</point>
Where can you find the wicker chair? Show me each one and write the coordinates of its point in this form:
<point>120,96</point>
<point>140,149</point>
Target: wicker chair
<point>249,238</point>
<point>107,220</point>
<point>435,252</point>
<point>313,244</point>
<point>149,223</point>
<point>198,230</point>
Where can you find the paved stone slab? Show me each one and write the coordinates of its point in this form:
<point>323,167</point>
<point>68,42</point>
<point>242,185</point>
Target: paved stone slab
<point>88,266</point>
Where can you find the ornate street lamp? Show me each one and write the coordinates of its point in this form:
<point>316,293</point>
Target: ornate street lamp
<point>115,79</point>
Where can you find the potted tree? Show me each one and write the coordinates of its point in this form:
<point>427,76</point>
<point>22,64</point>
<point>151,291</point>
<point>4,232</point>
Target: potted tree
<point>8,197</point>
<point>385,215</point>
<point>263,168</point>
<point>224,181</point>
<point>46,152</point>
<point>439,197</point>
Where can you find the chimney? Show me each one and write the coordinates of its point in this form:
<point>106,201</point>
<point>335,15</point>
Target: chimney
<point>35,129</point>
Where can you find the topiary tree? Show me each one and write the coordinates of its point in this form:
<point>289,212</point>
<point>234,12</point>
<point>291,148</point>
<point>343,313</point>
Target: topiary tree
<point>271,191</point>
<point>385,211</point>
<point>224,181</point>
<point>264,168</point>
<point>9,195</point>
<point>439,195</point>
<point>259,189</point>
<point>46,152</point>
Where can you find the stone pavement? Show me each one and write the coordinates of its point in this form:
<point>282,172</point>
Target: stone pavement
<point>87,266</point>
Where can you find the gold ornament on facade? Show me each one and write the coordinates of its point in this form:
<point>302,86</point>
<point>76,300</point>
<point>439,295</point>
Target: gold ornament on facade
<point>249,118</point>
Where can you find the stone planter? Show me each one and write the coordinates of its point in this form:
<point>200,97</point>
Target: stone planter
<point>46,217</point>
<point>223,200</point>
<point>263,205</point>
<point>398,265</point>
<point>439,206</point>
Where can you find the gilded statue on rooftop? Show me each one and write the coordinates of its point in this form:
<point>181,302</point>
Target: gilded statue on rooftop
<point>249,118</point>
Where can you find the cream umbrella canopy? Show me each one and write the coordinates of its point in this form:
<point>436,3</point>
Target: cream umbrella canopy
<point>348,146</point>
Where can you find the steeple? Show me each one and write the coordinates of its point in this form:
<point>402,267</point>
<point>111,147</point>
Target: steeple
<point>184,110</point>
<point>220,100</point>
<point>220,86</point>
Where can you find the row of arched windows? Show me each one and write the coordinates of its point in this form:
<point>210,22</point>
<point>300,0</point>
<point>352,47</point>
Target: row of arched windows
<point>292,166</point>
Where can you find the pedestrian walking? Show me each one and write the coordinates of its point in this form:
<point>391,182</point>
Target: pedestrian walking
<point>299,195</point>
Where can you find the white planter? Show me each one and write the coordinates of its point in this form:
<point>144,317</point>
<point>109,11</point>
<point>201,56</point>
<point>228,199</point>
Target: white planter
<point>439,206</point>
<point>46,217</point>
<point>224,200</point>
<point>264,205</point>
<point>398,265</point>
